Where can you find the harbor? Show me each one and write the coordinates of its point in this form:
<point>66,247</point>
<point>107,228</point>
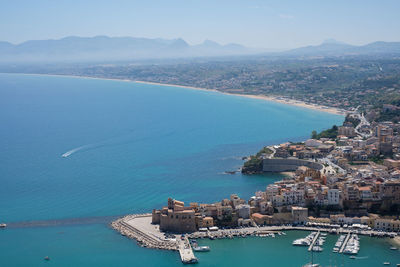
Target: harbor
<point>139,228</point>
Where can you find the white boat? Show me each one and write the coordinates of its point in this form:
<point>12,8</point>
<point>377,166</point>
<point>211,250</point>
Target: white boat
<point>3,225</point>
<point>201,248</point>
<point>301,242</point>
<point>317,249</point>
<point>393,248</point>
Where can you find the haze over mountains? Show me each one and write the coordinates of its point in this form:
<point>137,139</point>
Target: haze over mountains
<point>103,48</point>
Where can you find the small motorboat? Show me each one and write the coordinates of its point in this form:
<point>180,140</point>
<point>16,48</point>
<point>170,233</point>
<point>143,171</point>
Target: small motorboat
<point>393,248</point>
<point>47,258</point>
<point>201,248</point>
<point>353,257</point>
<point>386,263</point>
<point>3,225</point>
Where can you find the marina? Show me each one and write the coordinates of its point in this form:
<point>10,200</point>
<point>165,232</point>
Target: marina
<point>316,235</point>
<point>139,227</point>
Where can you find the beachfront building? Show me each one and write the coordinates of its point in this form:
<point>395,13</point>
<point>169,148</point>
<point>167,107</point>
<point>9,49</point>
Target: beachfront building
<point>299,215</point>
<point>387,225</point>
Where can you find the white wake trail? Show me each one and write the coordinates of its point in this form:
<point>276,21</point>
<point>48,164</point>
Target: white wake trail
<point>72,151</point>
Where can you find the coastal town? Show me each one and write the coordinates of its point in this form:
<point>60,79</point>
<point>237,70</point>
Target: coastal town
<point>345,180</point>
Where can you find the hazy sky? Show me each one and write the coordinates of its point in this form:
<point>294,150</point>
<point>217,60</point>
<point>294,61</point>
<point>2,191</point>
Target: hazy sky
<point>255,23</point>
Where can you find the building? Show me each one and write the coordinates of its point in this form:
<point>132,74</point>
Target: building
<point>299,215</point>
<point>333,196</point>
<point>243,210</point>
<point>390,163</point>
<point>347,131</point>
<point>387,225</point>
<point>175,217</point>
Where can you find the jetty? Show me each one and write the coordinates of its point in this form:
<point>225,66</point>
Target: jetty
<point>139,227</point>
<point>186,252</point>
<point>313,241</point>
<point>345,243</point>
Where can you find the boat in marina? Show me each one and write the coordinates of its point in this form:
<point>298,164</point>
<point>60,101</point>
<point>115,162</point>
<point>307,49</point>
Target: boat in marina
<point>338,243</point>
<point>317,249</point>
<point>301,242</point>
<point>352,246</point>
<point>304,241</point>
<point>201,248</point>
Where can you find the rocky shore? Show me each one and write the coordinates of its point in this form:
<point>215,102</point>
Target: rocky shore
<point>143,239</point>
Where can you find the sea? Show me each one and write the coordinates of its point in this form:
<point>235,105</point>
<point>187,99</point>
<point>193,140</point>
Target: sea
<point>76,153</point>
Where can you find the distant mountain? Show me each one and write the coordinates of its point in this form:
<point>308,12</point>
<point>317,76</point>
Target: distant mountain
<point>332,47</point>
<point>103,48</point>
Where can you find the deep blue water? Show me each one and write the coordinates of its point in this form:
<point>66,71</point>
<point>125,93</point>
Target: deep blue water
<point>130,147</point>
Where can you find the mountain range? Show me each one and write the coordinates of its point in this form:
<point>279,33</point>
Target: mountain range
<point>103,48</point>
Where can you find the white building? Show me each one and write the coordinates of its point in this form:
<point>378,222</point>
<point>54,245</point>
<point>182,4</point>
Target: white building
<point>243,211</point>
<point>333,197</point>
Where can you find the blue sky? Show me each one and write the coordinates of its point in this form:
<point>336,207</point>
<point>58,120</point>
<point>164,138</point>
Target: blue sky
<point>268,24</point>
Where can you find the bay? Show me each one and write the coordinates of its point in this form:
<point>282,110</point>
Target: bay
<point>127,147</point>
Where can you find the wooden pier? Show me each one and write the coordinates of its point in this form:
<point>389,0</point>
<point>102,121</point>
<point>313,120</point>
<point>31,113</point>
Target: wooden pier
<point>313,241</point>
<point>345,243</point>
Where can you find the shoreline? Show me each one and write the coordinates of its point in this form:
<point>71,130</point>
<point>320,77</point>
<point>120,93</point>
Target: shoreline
<point>140,228</point>
<point>276,99</point>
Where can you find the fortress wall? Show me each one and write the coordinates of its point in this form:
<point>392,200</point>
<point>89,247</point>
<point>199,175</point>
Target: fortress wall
<point>283,165</point>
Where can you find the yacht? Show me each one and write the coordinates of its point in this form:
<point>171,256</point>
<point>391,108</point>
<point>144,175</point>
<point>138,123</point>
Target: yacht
<point>201,248</point>
<point>301,242</point>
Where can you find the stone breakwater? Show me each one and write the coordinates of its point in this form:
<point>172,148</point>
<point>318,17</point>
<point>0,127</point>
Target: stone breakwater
<point>132,227</point>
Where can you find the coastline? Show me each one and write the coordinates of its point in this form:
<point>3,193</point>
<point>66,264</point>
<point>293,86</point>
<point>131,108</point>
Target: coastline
<point>261,97</point>
<point>276,99</point>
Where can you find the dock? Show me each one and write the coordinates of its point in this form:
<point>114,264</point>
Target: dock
<point>345,243</point>
<point>186,252</point>
<point>313,241</point>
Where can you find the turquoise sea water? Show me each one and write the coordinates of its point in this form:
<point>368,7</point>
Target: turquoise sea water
<point>128,148</point>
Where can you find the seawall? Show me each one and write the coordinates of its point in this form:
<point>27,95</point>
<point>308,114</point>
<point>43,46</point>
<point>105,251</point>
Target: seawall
<point>290,164</point>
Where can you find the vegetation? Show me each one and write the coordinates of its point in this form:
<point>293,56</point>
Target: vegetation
<point>254,164</point>
<point>377,159</point>
<point>393,116</point>
<point>265,150</point>
<point>352,120</point>
<point>331,133</point>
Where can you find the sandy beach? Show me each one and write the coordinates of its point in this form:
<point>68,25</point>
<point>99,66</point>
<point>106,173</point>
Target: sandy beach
<point>281,100</point>
<point>277,99</point>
